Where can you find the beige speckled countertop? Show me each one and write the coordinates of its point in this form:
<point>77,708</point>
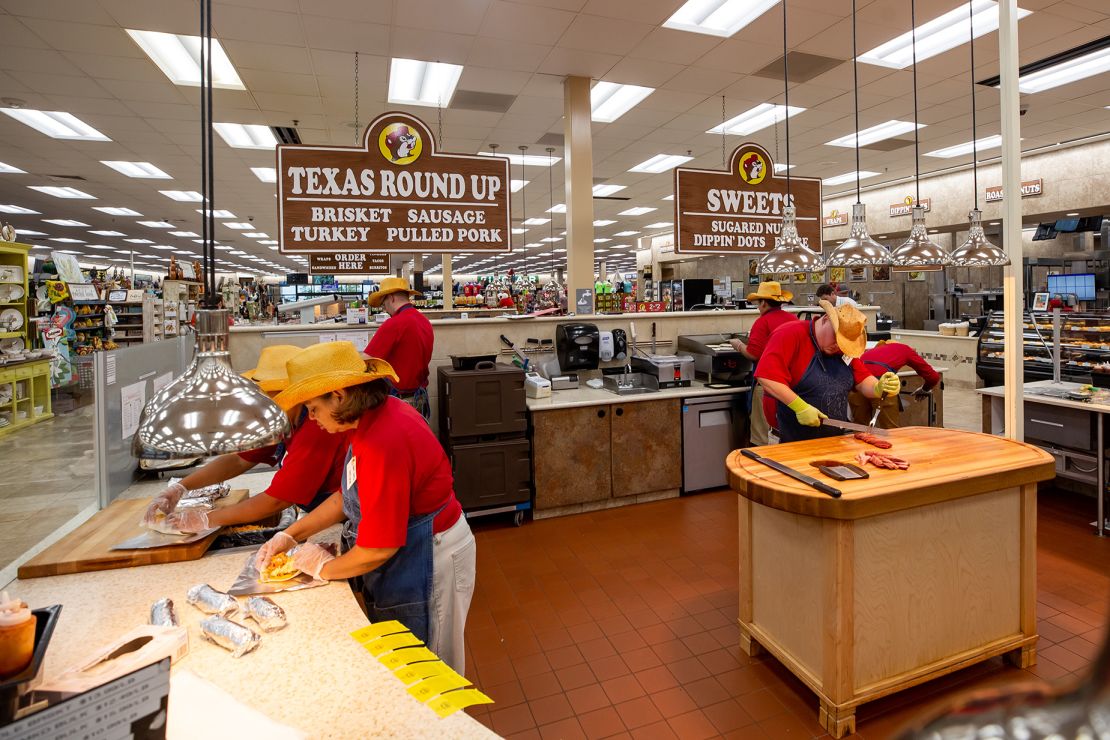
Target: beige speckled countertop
<point>312,675</point>
<point>586,396</point>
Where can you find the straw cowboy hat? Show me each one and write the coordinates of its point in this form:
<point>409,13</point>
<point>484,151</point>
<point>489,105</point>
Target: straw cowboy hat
<point>270,372</point>
<point>851,327</point>
<point>391,285</point>
<point>326,367</point>
<point>771,291</point>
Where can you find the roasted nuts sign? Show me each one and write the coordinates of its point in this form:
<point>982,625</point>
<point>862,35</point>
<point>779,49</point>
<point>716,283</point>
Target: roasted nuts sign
<point>1029,188</point>
<point>395,193</point>
<point>739,211</point>
<point>349,263</point>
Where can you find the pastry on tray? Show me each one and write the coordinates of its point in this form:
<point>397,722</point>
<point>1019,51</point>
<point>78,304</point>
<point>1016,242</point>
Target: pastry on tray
<point>280,568</point>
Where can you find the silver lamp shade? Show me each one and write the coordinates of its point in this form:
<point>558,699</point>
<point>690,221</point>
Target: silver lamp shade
<point>859,249</point>
<point>790,254</point>
<point>919,252</point>
<point>210,409</point>
<point>977,251</point>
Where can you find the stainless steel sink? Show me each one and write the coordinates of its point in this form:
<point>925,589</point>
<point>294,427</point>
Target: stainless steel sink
<point>629,384</point>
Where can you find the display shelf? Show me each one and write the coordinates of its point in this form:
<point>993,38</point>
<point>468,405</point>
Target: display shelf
<point>1079,351</point>
<point>30,397</point>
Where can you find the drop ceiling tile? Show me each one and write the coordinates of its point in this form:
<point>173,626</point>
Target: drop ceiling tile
<point>1083,12</point>
<point>376,11</point>
<point>348,36</point>
<point>646,72</point>
<point>267,57</point>
<point>524,22</point>
<point>507,54</point>
<point>411,43</point>
<point>583,63</point>
<point>249,24</point>
<point>133,90</point>
<point>735,55</point>
<point>457,16</point>
<point>492,80</point>
<point>61,86</point>
<point>63,10</point>
<point>38,60</point>
<point>168,16</point>
<point>591,32</point>
<point>293,84</point>
<point>84,37</point>
<point>701,80</point>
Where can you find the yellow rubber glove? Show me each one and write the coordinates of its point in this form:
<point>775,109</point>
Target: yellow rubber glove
<point>808,416</point>
<point>889,384</point>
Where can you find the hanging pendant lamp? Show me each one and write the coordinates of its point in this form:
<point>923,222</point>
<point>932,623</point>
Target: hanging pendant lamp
<point>918,252</point>
<point>976,251</point>
<point>859,249</point>
<point>210,409</point>
<point>790,253</point>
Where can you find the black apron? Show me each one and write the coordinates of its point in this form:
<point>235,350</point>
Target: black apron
<point>825,386</point>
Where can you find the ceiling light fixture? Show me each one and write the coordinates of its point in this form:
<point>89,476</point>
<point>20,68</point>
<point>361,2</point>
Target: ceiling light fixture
<point>604,191</point>
<point>880,132</point>
<point>107,233</point>
<point>139,241</point>
<point>755,119</point>
<point>218,213</point>
<point>62,192</point>
<point>659,225</point>
<point>17,209</point>
<point>56,124</point>
<point>246,135</point>
<point>637,211</point>
<point>849,177</point>
<point>717,17</point>
<point>137,169</point>
<point>115,211</point>
<point>535,221</point>
<point>1065,72</point>
<point>987,142</point>
<point>604,222</point>
<point>184,234</point>
<point>156,224</point>
<point>660,163</point>
<point>414,82</point>
<point>184,196</point>
<point>558,208</point>
<point>626,233</point>
<point>265,174</point>
<point>528,160</point>
<point>179,58</point>
<point>64,222</point>
<point>517,185</point>
<point>7,169</point>
<point>610,100</point>
<point>239,225</point>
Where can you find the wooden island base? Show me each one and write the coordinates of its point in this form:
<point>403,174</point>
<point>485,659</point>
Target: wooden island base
<point>908,576</point>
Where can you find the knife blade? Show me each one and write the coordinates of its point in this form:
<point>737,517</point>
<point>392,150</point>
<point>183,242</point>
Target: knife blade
<point>791,472</point>
<point>852,427</point>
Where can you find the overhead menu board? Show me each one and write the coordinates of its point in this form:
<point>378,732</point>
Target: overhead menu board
<point>395,193</point>
<point>739,210</point>
<point>349,263</point>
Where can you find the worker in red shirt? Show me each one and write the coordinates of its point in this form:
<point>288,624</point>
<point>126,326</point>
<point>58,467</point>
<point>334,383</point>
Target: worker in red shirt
<point>769,300</point>
<point>890,357</point>
<point>406,545</point>
<point>405,342</point>
<point>809,367</point>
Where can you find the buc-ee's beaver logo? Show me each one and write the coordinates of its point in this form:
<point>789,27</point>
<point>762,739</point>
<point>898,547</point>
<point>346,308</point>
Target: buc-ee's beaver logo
<point>400,144</point>
<point>753,168</point>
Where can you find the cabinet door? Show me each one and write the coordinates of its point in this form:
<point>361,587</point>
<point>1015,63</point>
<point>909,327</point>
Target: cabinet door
<point>571,457</point>
<point>647,447</point>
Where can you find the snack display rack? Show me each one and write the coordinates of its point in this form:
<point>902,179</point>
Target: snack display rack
<point>1084,343</point>
<point>129,319</point>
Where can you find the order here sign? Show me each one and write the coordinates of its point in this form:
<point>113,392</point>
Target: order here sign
<point>395,193</point>
<point>739,210</point>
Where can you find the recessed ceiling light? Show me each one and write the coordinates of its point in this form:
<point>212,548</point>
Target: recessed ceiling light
<point>550,239</point>
<point>64,222</point>
<point>9,170</point>
<point>99,246</point>
<point>66,240</point>
<point>137,169</point>
<point>256,234</point>
<point>659,225</point>
<point>602,191</point>
<point>717,17</point>
<point>414,82</point>
<point>668,197</point>
<point>1072,214</point>
<point>17,209</point>
<point>157,224</point>
<point>184,234</point>
<point>222,248</point>
<point>755,119</point>
<point>660,163</point>
<point>62,192</point>
<point>637,211</point>
<point>268,241</point>
<point>1067,71</point>
<point>107,233</point>
<point>610,100</point>
<point>56,124</point>
<point>184,196</point>
<point>880,132</point>
<point>987,142</point>
<point>938,35</point>
<point>535,221</point>
<point>849,177</point>
<point>164,247</point>
<point>28,232</point>
<point>626,233</point>
<point>265,174</point>
<point>246,136</point>
<point>239,225</point>
<point>519,231</point>
<point>218,213</point>
<point>178,56</point>
<point>528,160</point>
<point>113,211</point>
<point>558,208</point>
<point>139,241</point>
<point>604,222</point>
<point>602,240</point>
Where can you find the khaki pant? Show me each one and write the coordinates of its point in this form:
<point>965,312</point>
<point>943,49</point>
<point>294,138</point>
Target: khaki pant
<point>758,428</point>
<point>863,407</point>
<point>453,566</point>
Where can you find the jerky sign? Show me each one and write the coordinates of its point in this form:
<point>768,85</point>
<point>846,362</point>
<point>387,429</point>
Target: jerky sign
<point>739,211</point>
<point>395,193</point>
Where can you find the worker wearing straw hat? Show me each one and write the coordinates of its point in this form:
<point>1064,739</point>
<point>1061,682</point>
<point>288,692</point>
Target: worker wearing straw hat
<point>406,545</point>
<point>310,464</point>
<point>769,300</point>
<point>404,341</point>
<point>809,367</point>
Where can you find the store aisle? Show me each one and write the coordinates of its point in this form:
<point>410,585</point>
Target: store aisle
<point>623,623</point>
<point>963,409</point>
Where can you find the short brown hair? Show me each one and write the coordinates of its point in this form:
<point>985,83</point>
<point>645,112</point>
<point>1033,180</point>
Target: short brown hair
<point>825,289</point>
<point>359,399</point>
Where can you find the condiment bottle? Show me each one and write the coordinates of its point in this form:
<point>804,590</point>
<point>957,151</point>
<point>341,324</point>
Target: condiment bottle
<point>17,636</point>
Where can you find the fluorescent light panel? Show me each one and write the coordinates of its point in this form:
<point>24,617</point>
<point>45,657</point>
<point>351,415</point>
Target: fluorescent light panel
<point>603,222</point>
<point>535,221</point>
<point>17,209</point>
<point>756,119</point>
<point>183,196</point>
<point>10,170</point>
<point>637,211</point>
<point>64,222</point>
<point>246,135</point>
<point>626,233</point>
<point>659,225</point>
<point>849,177</point>
<point>558,208</point>
<point>414,82</point>
<point>116,211</point>
<point>136,169</point>
<point>178,56</point>
<point>601,191</point>
<point>660,163</point>
<point>265,174</point>
<point>139,241</point>
<point>517,185</point>
<point>62,192</point>
<point>717,17</point>
<point>987,142</point>
<point>256,234</point>
<point>1072,70</point>
<point>528,160</point>
<point>218,213</point>
<point>880,132</point>
<point>56,124</point>
<point>184,234</point>
<point>156,224</point>
<point>107,233</point>
<point>28,232</point>
<point>239,225</point>
<point>611,100</point>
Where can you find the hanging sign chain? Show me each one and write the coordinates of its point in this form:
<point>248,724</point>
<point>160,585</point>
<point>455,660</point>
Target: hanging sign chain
<point>439,133</point>
<point>358,132</point>
<point>723,163</point>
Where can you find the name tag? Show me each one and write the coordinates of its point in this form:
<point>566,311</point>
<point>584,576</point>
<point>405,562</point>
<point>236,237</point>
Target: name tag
<point>352,472</point>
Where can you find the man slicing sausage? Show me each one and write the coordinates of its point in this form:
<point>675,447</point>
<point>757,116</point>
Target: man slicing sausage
<point>809,367</point>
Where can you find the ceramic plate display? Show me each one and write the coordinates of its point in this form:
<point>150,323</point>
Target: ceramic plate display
<point>10,293</point>
<point>11,274</point>
<point>12,344</point>
<point>11,320</point>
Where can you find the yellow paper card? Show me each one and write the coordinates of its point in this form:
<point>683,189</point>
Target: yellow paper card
<point>436,685</point>
<point>410,674</point>
<point>404,656</point>
<point>392,642</point>
<point>373,632</point>
<point>447,704</point>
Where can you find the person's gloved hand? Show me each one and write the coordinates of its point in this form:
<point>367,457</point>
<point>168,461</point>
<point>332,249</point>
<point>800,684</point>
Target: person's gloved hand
<point>310,558</point>
<point>808,416</point>
<point>737,345</point>
<point>190,520</point>
<point>922,393</point>
<point>164,503</point>
<point>280,542</point>
<point>889,384</point>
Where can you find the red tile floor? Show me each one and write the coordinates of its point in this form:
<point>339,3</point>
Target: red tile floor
<point>623,623</point>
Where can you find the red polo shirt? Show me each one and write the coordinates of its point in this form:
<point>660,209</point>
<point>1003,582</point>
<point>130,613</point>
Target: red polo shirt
<point>762,328</point>
<point>401,471</point>
<point>897,356</point>
<point>313,464</point>
<point>405,342</point>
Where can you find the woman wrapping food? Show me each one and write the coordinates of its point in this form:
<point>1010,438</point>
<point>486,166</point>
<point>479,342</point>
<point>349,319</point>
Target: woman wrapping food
<point>311,463</point>
<point>406,545</point>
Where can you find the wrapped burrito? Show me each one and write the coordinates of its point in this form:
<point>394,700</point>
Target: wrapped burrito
<point>230,635</point>
<point>163,613</point>
<point>211,601</point>
<point>269,616</point>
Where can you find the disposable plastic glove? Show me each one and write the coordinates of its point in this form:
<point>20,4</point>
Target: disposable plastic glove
<point>189,520</point>
<point>310,558</point>
<point>164,503</point>
<point>280,542</point>
<point>808,416</point>
<point>889,384</point>
<point>922,393</point>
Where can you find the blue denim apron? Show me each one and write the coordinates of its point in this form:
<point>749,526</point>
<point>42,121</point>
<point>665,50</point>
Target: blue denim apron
<point>401,588</point>
<point>279,454</point>
<point>825,386</point>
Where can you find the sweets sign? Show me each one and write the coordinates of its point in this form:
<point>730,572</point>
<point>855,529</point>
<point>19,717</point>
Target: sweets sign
<point>395,193</point>
<point>739,211</point>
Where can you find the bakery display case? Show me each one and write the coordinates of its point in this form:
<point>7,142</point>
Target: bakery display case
<point>1084,343</point>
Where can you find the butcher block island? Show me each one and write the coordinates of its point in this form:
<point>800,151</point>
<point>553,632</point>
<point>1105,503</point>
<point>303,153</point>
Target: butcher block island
<point>908,575</point>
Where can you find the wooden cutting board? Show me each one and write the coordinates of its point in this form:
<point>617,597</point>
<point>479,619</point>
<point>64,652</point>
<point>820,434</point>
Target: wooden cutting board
<point>87,548</point>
